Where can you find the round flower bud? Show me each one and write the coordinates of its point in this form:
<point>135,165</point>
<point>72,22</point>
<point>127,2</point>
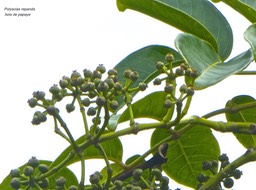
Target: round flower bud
<point>169,57</point>
<point>34,162</point>
<point>35,121</point>
<point>179,72</point>
<point>157,173</point>
<point>15,173</point>
<point>143,86</point>
<point>88,86</point>
<point>201,178</point>
<point>58,96</point>
<point>184,66</point>
<point>91,111</point>
<point>113,105</point>
<point>137,173</point>
<point>237,174</point>
<point>60,181</point>
<point>110,82</point>
<point>159,65</point>
<point>92,94</point>
<point>190,91</point>
<point>51,110</point>
<point>134,76</point>
<point>44,183</point>
<point>157,81</point>
<point>164,181</point>
<point>127,73</point>
<point>96,74</point>
<point>223,157</point>
<point>43,168</point>
<point>183,88</point>
<point>100,101</point>
<point>119,184</point>
<point>39,95</point>
<point>87,73</point>
<point>206,165</point>
<point>112,72</point>
<point>28,171</point>
<point>15,183</point>
<point>94,179</point>
<point>41,117</point>
<point>194,74</point>
<point>168,103</point>
<point>70,107</point>
<point>101,69</point>
<point>102,87</point>
<point>63,83</point>
<point>32,102</point>
<point>54,89</point>
<point>118,86</point>
<point>228,182</point>
<point>86,102</point>
<point>169,88</point>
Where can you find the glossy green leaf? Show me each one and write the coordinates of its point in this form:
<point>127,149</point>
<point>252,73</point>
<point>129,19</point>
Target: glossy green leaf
<point>151,106</point>
<point>143,61</point>
<point>198,17</point>
<point>113,149</point>
<point>64,172</point>
<point>186,155</point>
<point>247,115</point>
<point>245,7</point>
<point>201,56</point>
<point>250,37</point>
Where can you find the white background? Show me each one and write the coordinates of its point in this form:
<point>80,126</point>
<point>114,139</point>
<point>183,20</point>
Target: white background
<point>62,36</point>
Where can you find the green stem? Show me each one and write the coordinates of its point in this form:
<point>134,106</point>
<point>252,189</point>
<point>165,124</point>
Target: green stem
<point>58,131</point>
<point>231,109</point>
<point>234,127</point>
<point>214,181</point>
<point>82,110</point>
<point>81,184</point>
<point>246,73</point>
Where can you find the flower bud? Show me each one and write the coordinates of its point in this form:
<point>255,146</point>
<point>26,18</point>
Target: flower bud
<point>169,57</point>
<point>91,111</point>
<point>32,102</point>
<point>70,108</point>
<point>157,81</point>
<point>39,95</point>
<point>28,171</point>
<point>87,73</point>
<point>33,162</point>
<point>15,183</point>
<point>101,69</point>
<point>112,72</point>
<point>54,89</point>
<point>86,102</point>
<point>60,181</point>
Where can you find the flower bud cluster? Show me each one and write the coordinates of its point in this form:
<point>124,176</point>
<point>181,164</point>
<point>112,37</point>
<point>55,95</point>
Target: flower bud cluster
<point>228,181</point>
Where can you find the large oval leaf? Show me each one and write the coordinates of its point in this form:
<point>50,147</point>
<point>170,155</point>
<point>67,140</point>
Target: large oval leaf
<point>64,172</point>
<point>250,37</point>
<point>201,56</point>
<point>198,17</point>
<point>143,61</point>
<point>151,106</point>
<point>246,7</point>
<point>247,115</point>
<point>186,155</point>
<point>113,149</point>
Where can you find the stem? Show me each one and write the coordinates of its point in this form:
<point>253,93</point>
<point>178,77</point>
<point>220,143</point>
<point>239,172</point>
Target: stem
<point>59,132</point>
<point>231,109</point>
<point>109,171</point>
<point>82,110</point>
<point>81,184</point>
<point>234,127</point>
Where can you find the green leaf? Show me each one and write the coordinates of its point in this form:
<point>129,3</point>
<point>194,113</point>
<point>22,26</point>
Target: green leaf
<point>151,106</point>
<point>143,61</point>
<point>250,36</point>
<point>113,149</point>
<point>186,155</point>
<point>198,17</point>
<point>201,56</point>
<point>64,172</point>
<point>113,122</point>
<point>245,7</point>
<point>247,115</point>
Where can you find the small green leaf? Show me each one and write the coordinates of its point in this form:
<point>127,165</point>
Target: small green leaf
<point>245,7</point>
<point>201,56</point>
<point>198,17</point>
<point>143,61</point>
<point>113,149</point>
<point>250,37</point>
<point>247,115</point>
<point>186,155</point>
<point>112,123</point>
<point>64,172</point>
<point>151,106</point>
